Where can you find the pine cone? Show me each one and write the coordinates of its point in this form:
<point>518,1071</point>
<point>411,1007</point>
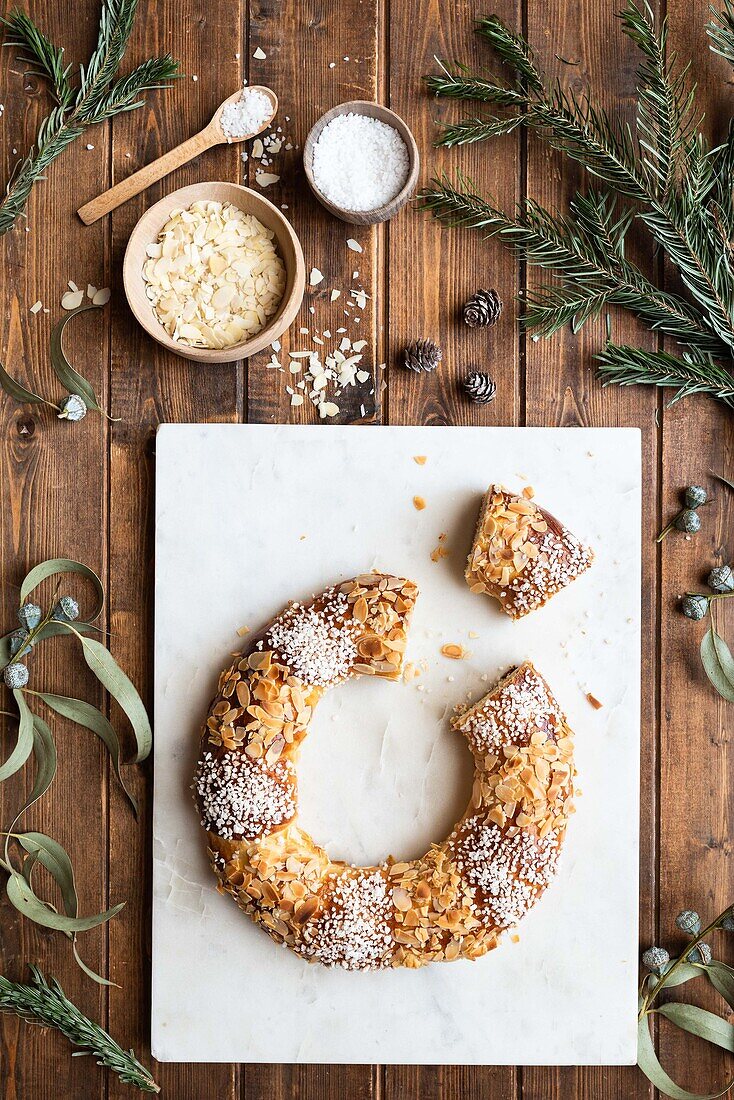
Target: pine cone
<point>480,387</point>
<point>483,308</point>
<point>422,355</point>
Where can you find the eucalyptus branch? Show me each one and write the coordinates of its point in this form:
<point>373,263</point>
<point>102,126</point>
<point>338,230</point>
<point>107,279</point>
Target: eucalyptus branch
<point>99,95</point>
<point>44,1002</point>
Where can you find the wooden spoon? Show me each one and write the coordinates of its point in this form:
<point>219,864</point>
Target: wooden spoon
<point>213,134</point>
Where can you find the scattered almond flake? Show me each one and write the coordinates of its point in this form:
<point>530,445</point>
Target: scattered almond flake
<point>36,307</point>
<point>72,298</point>
<point>260,54</point>
<point>300,354</point>
<point>257,148</point>
<point>244,156</point>
<point>359,345</point>
<point>419,503</point>
<point>334,295</point>
<point>101,297</point>
<point>332,64</point>
<point>294,368</point>
<point>594,701</point>
<point>315,277</point>
<point>243,630</point>
<point>473,634</point>
<point>454,652</point>
<point>326,333</point>
<point>438,553</point>
<point>311,309</point>
<point>328,408</point>
<point>354,245</point>
<point>341,330</point>
<point>91,290</point>
<point>528,492</point>
<point>317,340</point>
<point>265,179</point>
<point>276,345</point>
<point>297,399</point>
<point>362,375</point>
<point>194,77</point>
<point>72,285</point>
<point>420,460</point>
<point>90,147</point>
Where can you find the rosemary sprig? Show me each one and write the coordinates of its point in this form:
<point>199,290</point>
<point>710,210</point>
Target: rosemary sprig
<point>44,1002</point>
<point>97,94</point>
<point>667,177</point>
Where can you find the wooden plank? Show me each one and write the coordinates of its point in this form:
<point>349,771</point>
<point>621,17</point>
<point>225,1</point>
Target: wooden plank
<point>561,389</point>
<point>44,516</point>
<point>302,40</point>
<point>149,386</point>
<point>696,783</point>
<point>432,271</point>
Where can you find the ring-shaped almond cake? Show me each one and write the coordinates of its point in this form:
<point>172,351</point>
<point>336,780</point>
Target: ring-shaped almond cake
<point>457,899</point>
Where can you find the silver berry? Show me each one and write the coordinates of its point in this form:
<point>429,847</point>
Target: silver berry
<point>689,922</point>
<point>721,579</point>
<point>15,676</point>
<point>688,521</point>
<point>66,610</point>
<point>72,408</point>
<point>29,615</point>
<point>701,953</point>
<point>694,607</point>
<point>655,958</point>
<point>695,496</point>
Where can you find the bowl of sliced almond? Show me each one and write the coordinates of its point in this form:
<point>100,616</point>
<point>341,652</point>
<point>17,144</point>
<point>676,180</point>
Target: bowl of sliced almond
<point>214,272</point>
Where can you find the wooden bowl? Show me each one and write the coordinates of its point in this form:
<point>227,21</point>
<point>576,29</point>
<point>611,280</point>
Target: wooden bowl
<point>146,232</point>
<point>373,110</point>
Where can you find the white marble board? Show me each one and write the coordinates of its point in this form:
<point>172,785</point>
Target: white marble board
<point>248,517</point>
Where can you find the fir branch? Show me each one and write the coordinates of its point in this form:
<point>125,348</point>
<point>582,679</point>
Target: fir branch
<point>689,374</point>
<point>587,254</point>
<point>100,94</point>
<point>44,1002</point>
<point>459,83</point>
<point>721,31</point>
<point>681,188</point>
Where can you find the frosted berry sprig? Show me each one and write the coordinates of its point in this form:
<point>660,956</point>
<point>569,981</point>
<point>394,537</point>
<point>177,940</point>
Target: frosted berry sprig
<point>688,520</point>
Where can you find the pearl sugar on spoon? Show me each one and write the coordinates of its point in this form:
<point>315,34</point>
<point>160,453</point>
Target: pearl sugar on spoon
<point>222,128</point>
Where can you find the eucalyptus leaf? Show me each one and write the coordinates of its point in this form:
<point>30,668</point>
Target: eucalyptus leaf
<point>88,970</point>
<point>77,710</point>
<point>44,750</point>
<point>24,744</point>
<point>723,480</point>
<point>55,567</point>
<point>648,1062</point>
<point>721,977</point>
<point>698,1021</point>
<point>29,863</point>
<point>110,675</point>
<point>718,664</point>
<point>67,376</point>
<point>683,973</point>
<point>18,392</point>
<point>25,901</point>
<point>54,857</point>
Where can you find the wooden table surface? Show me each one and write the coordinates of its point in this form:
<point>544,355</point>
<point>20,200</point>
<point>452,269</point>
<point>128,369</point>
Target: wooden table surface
<point>87,490</point>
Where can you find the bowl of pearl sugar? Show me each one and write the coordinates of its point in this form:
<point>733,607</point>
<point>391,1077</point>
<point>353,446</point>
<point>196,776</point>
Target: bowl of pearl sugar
<point>361,162</point>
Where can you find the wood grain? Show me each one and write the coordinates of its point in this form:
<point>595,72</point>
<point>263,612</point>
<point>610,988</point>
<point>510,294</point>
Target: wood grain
<point>87,490</point>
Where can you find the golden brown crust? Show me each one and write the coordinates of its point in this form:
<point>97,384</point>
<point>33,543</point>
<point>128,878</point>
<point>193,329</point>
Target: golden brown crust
<point>456,899</point>
<point>521,554</point>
